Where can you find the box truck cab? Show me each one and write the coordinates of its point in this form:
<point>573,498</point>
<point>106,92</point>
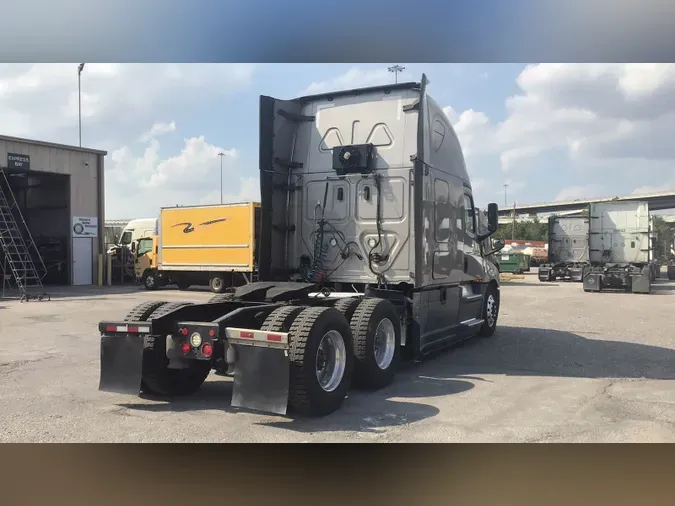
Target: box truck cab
<point>369,254</point>
<point>144,251</point>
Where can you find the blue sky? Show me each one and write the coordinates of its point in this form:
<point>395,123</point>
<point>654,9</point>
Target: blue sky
<point>549,131</point>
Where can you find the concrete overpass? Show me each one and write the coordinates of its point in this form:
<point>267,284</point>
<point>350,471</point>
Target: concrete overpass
<point>657,202</point>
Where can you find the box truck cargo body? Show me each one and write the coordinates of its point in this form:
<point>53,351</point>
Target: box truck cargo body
<point>567,248</point>
<point>618,247</point>
<point>199,245</point>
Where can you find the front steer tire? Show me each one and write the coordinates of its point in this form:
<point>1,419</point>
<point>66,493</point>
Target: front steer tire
<point>306,395</point>
<point>490,311</point>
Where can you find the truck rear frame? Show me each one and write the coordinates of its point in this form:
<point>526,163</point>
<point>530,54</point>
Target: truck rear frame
<point>567,249</point>
<point>619,241</point>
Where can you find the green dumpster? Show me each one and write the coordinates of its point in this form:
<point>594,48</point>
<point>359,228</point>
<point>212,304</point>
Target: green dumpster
<point>515,263</point>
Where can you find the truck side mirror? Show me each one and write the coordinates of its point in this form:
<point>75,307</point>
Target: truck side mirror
<point>133,247</point>
<point>492,222</point>
<point>493,217</point>
<point>497,245</point>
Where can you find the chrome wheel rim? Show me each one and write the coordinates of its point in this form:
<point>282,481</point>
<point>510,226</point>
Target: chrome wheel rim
<point>491,310</point>
<point>384,343</point>
<point>331,360</point>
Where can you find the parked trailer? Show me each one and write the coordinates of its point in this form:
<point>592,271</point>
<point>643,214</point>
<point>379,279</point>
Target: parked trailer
<point>619,247</point>
<point>567,249</point>
<point>346,289</point>
<point>210,245</point>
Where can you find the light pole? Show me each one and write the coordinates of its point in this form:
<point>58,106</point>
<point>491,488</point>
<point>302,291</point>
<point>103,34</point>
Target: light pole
<point>80,68</point>
<point>395,69</point>
<point>505,187</point>
<point>221,155</point>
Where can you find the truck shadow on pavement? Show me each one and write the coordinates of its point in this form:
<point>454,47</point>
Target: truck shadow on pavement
<point>362,411</point>
<point>523,351</point>
<point>512,351</point>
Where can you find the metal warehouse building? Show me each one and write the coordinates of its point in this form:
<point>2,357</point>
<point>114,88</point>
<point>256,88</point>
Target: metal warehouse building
<point>58,191</point>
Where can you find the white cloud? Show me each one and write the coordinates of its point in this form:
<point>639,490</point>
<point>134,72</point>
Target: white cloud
<point>157,130</point>
<point>185,178</point>
<point>41,100</point>
<point>120,107</point>
<point>596,121</point>
<point>355,77</point>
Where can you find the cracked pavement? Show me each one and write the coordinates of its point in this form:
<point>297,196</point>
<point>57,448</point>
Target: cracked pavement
<point>564,366</point>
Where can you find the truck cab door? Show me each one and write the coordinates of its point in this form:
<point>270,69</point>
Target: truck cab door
<point>473,265</point>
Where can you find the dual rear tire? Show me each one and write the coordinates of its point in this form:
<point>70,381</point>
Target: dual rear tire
<point>356,339</point>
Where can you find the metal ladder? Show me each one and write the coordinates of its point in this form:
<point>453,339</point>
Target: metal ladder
<point>17,244</point>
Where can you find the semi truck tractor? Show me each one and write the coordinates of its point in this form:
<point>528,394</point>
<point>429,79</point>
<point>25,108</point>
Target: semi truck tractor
<point>368,252</point>
<point>211,245</point>
<point>618,247</point>
<point>567,249</point>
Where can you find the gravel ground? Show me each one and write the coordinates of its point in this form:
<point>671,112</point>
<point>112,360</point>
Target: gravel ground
<point>564,366</point>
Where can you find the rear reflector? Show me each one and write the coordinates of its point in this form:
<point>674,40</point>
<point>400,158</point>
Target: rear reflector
<point>256,336</point>
<point>185,347</point>
<point>127,329</point>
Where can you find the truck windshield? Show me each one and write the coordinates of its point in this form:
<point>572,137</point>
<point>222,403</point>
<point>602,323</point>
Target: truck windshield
<point>126,237</point>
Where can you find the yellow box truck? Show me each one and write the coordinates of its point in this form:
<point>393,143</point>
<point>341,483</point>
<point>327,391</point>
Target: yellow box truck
<point>199,245</point>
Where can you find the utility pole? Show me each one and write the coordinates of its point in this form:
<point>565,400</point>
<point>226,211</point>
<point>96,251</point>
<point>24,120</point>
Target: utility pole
<point>395,69</point>
<point>221,155</point>
<point>513,226</point>
<point>80,68</point>
<point>505,187</point>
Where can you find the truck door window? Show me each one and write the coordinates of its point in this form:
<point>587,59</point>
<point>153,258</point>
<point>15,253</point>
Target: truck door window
<point>144,246</point>
<point>469,216</point>
<point>442,210</point>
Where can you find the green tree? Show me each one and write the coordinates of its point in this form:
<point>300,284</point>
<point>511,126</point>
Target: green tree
<point>663,232</point>
<point>525,230</point>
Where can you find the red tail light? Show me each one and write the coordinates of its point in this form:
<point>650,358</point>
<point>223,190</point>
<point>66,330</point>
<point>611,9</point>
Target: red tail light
<point>207,350</point>
<point>185,347</point>
<point>212,333</point>
<point>184,331</point>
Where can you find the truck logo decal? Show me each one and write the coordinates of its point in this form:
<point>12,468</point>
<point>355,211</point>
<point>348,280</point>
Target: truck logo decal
<point>190,228</point>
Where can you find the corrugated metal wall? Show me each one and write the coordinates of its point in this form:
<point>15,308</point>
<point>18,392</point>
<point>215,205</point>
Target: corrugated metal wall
<point>85,169</point>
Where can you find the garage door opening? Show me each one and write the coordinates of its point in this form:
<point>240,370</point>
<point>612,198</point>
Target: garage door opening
<point>44,202</point>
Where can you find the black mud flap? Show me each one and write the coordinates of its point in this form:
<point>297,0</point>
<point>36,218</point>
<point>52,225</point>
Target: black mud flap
<point>121,364</point>
<point>261,379</point>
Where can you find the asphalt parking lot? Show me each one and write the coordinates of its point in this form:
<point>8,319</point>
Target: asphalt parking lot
<point>564,366</point>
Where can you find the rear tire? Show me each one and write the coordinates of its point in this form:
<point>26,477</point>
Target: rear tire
<point>321,360</point>
<point>183,285</point>
<point>158,379</point>
<point>376,329</point>
<point>347,306</point>
<point>490,312</point>
<point>281,319</point>
<point>217,284</point>
<point>142,312</point>
<point>221,297</point>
